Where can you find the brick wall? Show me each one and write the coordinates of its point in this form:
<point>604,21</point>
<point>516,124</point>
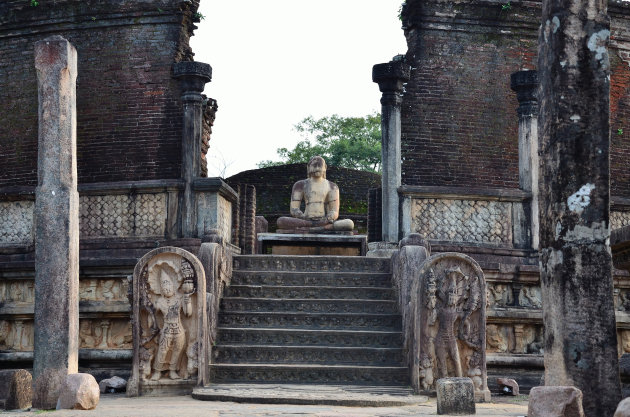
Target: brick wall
<point>128,109</point>
<point>273,190</point>
<point>459,122</point>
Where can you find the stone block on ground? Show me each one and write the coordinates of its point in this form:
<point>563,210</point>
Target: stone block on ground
<point>623,409</point>
<point>113,384</point>
<point>508,386</point>
<point>79,392</point>
<point>455,396</point>
<point>555,401</point>
<point>15,389</point>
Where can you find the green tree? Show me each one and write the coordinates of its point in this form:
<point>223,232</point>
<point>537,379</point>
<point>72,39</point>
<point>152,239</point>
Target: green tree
<point>349,142</point>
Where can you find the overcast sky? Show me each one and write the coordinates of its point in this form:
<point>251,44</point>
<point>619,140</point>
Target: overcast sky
<point>275,62</point>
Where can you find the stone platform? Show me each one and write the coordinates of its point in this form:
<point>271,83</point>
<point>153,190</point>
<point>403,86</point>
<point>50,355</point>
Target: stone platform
<point>312,244</point>
<point>307,394</point>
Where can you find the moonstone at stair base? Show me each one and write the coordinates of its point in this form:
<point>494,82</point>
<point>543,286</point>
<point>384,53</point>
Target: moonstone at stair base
<point>79,392</point>
<point>555,401</point>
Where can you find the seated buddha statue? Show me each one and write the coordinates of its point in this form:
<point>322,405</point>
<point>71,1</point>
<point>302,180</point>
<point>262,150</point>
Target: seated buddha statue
<point>321,204</point>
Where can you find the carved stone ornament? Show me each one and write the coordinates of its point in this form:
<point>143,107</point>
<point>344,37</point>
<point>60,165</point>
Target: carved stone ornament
<point>169,323</point>
<point>450,323</point>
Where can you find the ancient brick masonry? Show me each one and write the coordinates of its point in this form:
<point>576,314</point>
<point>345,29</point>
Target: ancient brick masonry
<point>458,122</point>
<point>129,110</point>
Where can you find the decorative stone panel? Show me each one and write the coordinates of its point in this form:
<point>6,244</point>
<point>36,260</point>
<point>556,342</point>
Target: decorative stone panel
<point>17,291</point>
<point>463,220</point>
<point>16,335</point>
<point>619,219</point>
<point>124,215</point>
<point>103,290</point>
<point>214,213</point>
<point>105,334</point>
<point>16,223</point>
<point>514,338</point>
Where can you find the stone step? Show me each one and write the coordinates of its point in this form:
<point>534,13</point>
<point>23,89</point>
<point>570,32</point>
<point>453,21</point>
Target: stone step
<point>311,394</point>
<point>304,337</point>
<point>230,304</point>
<point>311,263</point>
<point>302,320</point>
<point>309,292</point>
<point>301,279</point>
<point>324,355</point>
<point>313,374</point>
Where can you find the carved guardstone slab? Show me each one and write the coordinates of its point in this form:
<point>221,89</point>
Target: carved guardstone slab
<point>450,301</point>
<point>169,323</point>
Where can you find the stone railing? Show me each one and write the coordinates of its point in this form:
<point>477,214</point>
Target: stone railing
<point>139,209</point>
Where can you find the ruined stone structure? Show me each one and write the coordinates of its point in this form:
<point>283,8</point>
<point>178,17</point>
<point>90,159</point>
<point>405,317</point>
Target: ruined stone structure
<point>464,181</point>
<point>142,127</point>
<point>468,181</point>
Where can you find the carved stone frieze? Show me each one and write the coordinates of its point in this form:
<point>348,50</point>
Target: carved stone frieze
<point>514,338</point>
<point>499,295</point>
<point>530,296</point>
<point>105,334</point>
<point>623,341</point>
<point>450,336</point>
<point>103,290</point>
<point>169,321</point>
<point>622,299</point>
<point>18,291</point>
<point>462,220</point>
<point>123,215</point>
<point>16,335</point>
<point>16,223</point>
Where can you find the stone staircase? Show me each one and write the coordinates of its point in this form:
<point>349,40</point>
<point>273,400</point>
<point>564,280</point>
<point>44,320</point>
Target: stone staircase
<point>326,320</point>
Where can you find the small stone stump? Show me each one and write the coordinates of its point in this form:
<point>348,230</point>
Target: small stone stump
<point>16,392</point>
<point>554,401</point>
<point>508,386</point>
<point>455,396</point>
<point>79,392</point>
<point>169,323</point>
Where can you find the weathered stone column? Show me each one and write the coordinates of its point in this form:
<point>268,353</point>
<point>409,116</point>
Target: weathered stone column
<point>575,259</point>
<point>391,77</point>
<point>193,76</point>
<point>525,84</point>
<point>56,222</point>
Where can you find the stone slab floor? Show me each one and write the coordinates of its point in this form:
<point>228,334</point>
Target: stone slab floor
<point>117,405</point>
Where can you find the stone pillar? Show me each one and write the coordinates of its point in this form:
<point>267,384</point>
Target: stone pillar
<point>525,84</point>
<point>575,258</point>
<point>391,77</point>
<point>193,77</point>
<point>56,222</point>
<point>247,221</point>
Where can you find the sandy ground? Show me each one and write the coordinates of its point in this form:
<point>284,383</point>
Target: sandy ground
<point>117,405</point>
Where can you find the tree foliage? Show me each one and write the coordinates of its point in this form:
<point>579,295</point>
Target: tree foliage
<point>349,142</point>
